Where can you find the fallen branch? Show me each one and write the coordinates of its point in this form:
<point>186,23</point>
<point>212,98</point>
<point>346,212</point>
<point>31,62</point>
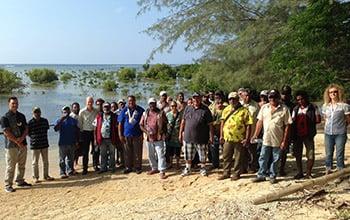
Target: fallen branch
<point>300,186</point>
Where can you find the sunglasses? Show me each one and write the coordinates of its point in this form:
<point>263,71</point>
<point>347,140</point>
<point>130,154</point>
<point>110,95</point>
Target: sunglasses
<point>335,92</point>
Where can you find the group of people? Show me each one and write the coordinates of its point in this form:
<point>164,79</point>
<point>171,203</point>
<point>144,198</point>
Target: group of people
<point>253,134</point>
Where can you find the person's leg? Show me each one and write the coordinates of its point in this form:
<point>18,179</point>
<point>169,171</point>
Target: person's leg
<point>137,148</point>
<point>215,154</point>
<point>227,156</point>
<point>95,152</point>
<point>263,160</point>
<point>128,153</point>
<point>62,159</point>
<point>298,153</point>
<point>310,155</point>
<point>21,164</point>
<point>189,155</point>
<point>276,153</point>
<point>329,144</point>
<point>70,159</point>
<point>35,163</point>
<point>201,149</point>
<point>340,141</point>
<point>111,153</point>
<point>283,159</point>
<point>237,168</point>
<point>45,158</point>
<point>177,153</point>
<point>11,157</point>
<point>85,145</point>
<point>253,158</point>
<point>151,151</point>
<point>160,151</point>
<point>104,156</point>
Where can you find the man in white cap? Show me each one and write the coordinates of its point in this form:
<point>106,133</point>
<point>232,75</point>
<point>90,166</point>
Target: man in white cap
<point>162,104</point>
<point>274,117</point>
<point>235,131</point>
<point>154,124</point>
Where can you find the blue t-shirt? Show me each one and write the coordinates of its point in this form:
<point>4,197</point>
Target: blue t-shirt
<point>68,131</point>
<point>130,120</point>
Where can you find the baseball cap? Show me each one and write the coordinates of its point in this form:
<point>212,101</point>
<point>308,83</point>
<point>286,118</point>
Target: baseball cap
<point>196,94</point>
<point>152,100</point>
<point>273,93</point>
<point>66,107</point>
<point>264,93</point>
<point>233,95</point>
<point>162,93</point>
<point>121,101</point>
<point>36,109</point>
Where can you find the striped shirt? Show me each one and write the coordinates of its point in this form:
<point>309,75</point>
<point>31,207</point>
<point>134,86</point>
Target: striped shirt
<point>38,133</point>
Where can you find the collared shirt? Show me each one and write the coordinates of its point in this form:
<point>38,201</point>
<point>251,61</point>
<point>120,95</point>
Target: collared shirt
<point>16,123</point>
<point>86,118</point>
<point>235,125</point>
<point>197,122</point>
<point>75,116</point>
<point>37,132</point>
<point>253,108</point>
<point>68,131</point>
<point>274,123</point>
<point>130,120</point>
<point>335,116</point>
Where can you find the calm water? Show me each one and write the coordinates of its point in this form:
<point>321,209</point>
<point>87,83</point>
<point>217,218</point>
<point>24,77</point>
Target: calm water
<point>52,99</point>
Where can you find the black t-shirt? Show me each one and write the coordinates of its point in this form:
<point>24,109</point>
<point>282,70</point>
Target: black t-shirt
<point>16,123</point>
<point>37,131</point>
<point>197,124</point>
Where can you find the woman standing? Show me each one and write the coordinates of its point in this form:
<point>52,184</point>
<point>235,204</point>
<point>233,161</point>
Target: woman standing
<point>337,116</point>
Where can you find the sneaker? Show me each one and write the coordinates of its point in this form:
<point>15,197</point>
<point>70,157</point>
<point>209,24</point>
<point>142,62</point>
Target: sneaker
<point>127,171</point>
<point>36,180</point>
<point>186,172</point>
<point>96,168</point>
<point>235,177</point>
<point>9,189</point>
<point>299,176</point>
<point>24,184</point>
<point>259,179</point>
<point>64,176</point>
<point>151,172</point>
<point>162,175</point>
<point>49,178</point>
<point>203,172</point>
<point>223,177</point>
<point>273,180</point>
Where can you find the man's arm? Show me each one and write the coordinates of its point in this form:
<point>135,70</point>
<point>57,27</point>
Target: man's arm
<point>258,128</point>
<point>246,141</point>
<point>182,127</point>
<point>285,137</point>
<point>222,140</point>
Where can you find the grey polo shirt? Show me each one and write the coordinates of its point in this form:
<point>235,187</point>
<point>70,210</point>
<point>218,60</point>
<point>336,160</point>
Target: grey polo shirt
<point>16,123</point>
<point>197,124</point>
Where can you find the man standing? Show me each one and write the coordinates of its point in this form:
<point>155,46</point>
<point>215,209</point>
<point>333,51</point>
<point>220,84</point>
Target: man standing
<point>235,131</point>
<point>276,120</point>
<point>181,104</point>
<point>154,124</point>
<point>75,114</point>
<point>130,135</point>
<point>68,139</point>
<point>106,137</point>
<point>250,161</point>
<point>162,104</point>
<point>37,132</point>
<point>14,126</point>
<point>196,130</point>
<point>86,117</point>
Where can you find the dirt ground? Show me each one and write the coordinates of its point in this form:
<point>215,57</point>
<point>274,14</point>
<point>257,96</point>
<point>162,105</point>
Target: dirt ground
<point>119,196</point>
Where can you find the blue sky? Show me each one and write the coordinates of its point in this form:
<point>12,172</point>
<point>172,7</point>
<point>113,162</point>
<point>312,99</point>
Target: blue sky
<point>80,31</point>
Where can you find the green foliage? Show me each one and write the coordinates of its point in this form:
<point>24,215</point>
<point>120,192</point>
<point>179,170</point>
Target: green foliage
<point>9,81</point>
<point>145,66</point>
<point>161,72</point>
<point>187,70</point>
<point>66,77</point>
<point>109,85</point>
<point>42,76</point>
<point>127,74</point>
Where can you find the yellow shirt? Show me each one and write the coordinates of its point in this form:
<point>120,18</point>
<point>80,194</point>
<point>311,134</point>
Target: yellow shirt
<point>235,126</point>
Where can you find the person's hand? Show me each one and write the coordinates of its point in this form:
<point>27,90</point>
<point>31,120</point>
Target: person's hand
<point>95,142</point>
<point>222,140</point>
<point>180,138</point>
<point>283,145</point>
<point>245,143</point>
<point>211,140</point>
<point>253,139</point>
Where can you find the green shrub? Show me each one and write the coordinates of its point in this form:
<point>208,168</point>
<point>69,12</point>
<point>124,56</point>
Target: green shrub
<point>109,85</point>
<point>65,77</point>
<point>42,75</point>
<point>187,70</point>
<point>161,72</point>
<point>9,81</point>
<point>127,74</point>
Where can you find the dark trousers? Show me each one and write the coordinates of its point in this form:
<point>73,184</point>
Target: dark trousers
<point>250,158</point>
<point>87,140</point>
<point>214,154</point>
<point>133,152</point>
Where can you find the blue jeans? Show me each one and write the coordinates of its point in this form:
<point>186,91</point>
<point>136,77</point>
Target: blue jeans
<point>265,158</point>
<point>156,155</point>
<point>107,150</point>
<point>66,154</point>
<point>214,153</point>
<point>339,141</point>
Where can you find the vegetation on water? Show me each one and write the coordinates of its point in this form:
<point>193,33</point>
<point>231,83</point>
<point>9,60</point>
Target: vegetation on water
<point>66,77</point>
<point>109,85</point>
<point>127,74</point>
<point>259,44</point>
<point>9,81</point>
<point>42,76</point>
<point>162,72</point>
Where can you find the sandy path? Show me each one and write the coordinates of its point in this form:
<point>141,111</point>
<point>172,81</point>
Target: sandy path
<point>133,196</point>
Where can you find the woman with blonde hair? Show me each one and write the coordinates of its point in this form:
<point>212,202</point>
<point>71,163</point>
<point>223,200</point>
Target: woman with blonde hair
<point>337,116</point>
